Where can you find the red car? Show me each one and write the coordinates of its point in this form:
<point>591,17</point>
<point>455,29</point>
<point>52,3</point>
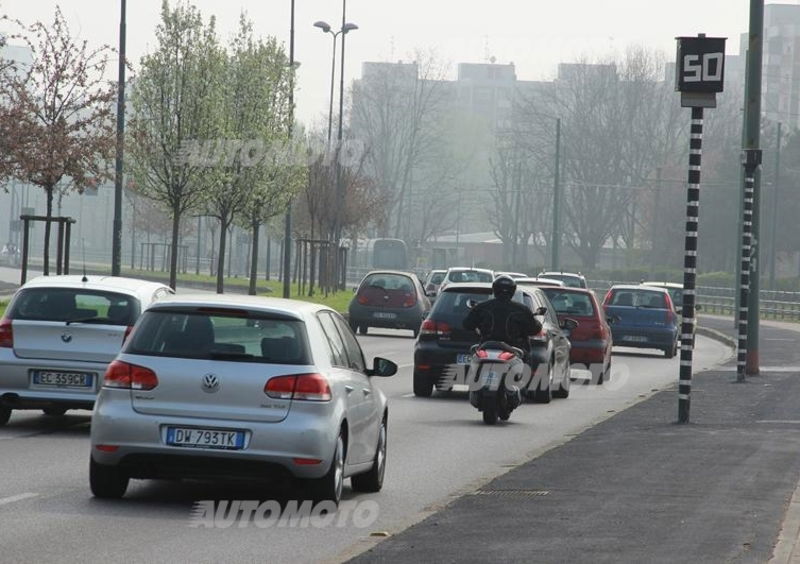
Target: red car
<point>591,340</point>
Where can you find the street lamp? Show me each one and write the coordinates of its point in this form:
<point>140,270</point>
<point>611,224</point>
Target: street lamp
<point>326,28</point>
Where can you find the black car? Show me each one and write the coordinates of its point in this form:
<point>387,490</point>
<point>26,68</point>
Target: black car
<point>442,352</point>
<point>389,299</point>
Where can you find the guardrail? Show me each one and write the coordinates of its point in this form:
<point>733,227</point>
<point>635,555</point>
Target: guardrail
<point>774,304</point>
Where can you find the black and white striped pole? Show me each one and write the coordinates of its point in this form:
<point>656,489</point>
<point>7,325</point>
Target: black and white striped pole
<point>751,159</point>
<point>690,264</point>
<point>699,76</point>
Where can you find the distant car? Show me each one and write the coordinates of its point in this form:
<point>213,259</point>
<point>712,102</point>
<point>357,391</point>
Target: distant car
<point>442,352</point>
<point>432,282</point>
<point>388,299</point>
<point>10,255</point>
<point>514,275</point>
<point>244,387</point>
<point>58,335</point>
<point>570,279</point>
<point>591,340</point>
<point>676,294</point>
<point>461,275</point>
<point>643,317</point>
<point>539,282</point>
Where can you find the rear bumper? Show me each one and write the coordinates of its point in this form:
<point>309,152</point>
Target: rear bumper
<point>269,448</point>
<point>587,352</point>
<point>404,318</point>
<point>644,337</point>
<point>18,392</point>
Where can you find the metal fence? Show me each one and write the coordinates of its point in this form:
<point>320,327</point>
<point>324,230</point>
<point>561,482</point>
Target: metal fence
<point>722,301</point>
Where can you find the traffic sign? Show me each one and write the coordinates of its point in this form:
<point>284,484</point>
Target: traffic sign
<point>700,64</point>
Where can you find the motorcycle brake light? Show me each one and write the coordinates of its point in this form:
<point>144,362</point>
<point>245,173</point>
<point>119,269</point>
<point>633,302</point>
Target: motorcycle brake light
<point>482,354</point>
<point>505,355</point>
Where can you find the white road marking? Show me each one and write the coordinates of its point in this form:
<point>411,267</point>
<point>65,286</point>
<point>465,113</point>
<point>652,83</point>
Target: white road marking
<point>18,497</point>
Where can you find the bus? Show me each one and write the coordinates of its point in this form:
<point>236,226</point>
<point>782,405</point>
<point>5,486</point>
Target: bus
<point>388,253</point>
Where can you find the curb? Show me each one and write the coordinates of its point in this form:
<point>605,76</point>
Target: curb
<point>716,335</point>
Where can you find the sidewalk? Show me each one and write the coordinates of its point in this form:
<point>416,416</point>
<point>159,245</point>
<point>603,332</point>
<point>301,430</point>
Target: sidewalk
<point>640,488</point>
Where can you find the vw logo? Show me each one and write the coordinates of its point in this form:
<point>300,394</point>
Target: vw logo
<point>210,383</point>
<point>66,337</point>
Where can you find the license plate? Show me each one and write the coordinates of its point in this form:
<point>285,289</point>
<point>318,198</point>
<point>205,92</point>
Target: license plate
<point>57,379</point>
<point>635,338</point>
<point>205,438</point>
<point>384,315</point>
<point>464,359</point>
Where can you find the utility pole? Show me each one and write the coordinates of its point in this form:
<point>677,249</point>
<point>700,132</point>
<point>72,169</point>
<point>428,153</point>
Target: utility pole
<point>287,233</point>
<point>654,226</point>
<point>776,184</point>
<point>752,128</point>
<point>555,239</point>
<point>116,238</point>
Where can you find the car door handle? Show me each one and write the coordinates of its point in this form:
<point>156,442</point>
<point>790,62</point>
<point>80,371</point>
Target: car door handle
<point>366,391</point>
<point>348,389</point>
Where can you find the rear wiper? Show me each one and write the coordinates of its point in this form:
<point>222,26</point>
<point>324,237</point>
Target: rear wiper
<point>88,320</point>
<point>223,355</point>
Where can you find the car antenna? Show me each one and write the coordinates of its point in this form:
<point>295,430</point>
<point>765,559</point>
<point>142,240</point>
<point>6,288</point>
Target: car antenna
<point>83,249</point>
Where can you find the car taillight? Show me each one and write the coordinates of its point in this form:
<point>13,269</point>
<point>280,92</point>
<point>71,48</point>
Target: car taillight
<point>482,354</point>
<point>126,376</point>
<point>363,300</point>
<point>6,333</point>
<point>505,355</point>
<point>670,316</point>
<point>431,328</point>
<point>307,387</point>
<point>409,301</point>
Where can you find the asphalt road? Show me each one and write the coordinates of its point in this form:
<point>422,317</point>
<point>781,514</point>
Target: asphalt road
<point>438,448</point>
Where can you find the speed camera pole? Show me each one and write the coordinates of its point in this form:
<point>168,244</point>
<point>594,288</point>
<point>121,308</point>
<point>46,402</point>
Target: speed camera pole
<point>699,76</point>
<point>751,159</point>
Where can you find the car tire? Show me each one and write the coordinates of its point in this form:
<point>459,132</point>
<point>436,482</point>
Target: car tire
<point>5,415</point>
<point>545,395</point>
<point>362,329</point>
<point>490,415</point>
<point>416,332</point>
<point>372,481</point>
<point>562,390</point>
<point>107,482</point>
<point>54,411</point>
<point>329,487</point>
<point>423,385</point>
<point>670,352</point>
<point>353,326</point>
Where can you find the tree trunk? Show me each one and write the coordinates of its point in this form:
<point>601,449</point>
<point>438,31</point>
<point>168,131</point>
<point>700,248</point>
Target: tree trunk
<point>173,259</point>
<point>254,258</point>
<point>313,273</point>
<point>46,257</point>
<point>223,233</point>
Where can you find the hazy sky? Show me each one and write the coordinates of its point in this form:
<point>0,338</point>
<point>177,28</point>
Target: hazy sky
<point>535,34</point>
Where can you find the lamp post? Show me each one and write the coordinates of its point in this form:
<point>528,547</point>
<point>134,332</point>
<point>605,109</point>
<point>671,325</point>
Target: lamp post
<point>116,236</point>
<point>326,28</point>
<point>287,223</point>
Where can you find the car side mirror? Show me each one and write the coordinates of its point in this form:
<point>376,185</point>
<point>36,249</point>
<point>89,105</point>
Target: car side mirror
<point>610,320</point>
<point>541,311</point>
<point>382,367</point>
<point>355,290</point>
<point>569,324</point>
<point>471,304</point>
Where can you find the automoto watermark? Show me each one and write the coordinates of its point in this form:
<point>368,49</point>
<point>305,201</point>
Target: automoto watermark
<point>224,514</point>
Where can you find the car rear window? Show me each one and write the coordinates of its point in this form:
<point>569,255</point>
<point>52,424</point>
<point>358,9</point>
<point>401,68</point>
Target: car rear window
<point>220,335</point>
<point>570,303</point>
<point>455,303</point>
<point>436,278</point>
<point>638,298</point>
<point>388,282</point>
<point>459,276</point>
<point>75,305</point>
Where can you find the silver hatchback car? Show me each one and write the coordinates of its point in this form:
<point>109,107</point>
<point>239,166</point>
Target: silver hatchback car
<point>58,335</point>
<point>240,387</point>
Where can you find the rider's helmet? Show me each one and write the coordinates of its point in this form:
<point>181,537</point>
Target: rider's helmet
<point>504,287</point>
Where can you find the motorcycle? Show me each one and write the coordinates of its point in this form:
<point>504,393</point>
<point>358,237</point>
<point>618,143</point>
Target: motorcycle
<point>496,377</point>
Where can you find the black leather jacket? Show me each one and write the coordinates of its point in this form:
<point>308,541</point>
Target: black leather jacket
<point>503,320</point>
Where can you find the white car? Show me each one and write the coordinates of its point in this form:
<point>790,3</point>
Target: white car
<point>241,387</point>
<point>58,335</point>
<point>465,275</point>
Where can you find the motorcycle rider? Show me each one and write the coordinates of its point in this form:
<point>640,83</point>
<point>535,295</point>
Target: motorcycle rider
<point>501,319</point>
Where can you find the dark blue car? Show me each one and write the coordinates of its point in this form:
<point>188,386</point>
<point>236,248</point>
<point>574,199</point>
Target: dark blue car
<point>643,317</point>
